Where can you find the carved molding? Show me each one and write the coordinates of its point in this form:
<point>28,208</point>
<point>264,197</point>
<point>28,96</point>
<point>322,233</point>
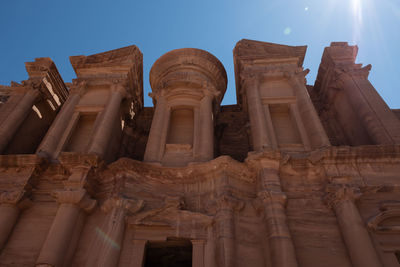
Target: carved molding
<point>336,193</point>
<point>77,197</point>
<point>272,196</point>
<point>15,198</point>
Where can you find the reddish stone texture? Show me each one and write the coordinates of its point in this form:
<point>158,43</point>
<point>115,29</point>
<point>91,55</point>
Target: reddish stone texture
<point>293,175</point>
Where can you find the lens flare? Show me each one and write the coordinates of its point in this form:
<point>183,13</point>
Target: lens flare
<point>107,239</point>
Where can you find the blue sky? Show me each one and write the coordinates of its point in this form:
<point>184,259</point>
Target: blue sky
<point>59,29</point>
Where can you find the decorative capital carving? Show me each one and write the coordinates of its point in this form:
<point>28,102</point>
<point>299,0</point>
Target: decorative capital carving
<point>299,75</point>
<point>272,196</point>
<point>129,206</point>
<point>229,202</point>
<point>15,198</point>
<point>77,197</point>
<point>249,79</point>
<point>78,87</point>
<point>336,193</point>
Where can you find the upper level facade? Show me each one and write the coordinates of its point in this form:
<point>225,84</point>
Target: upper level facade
<point>101,112</point>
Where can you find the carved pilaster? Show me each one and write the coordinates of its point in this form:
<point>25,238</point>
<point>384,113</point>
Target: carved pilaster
<point>106,253</point>
<point>67,223</point>
<point>226,205</point>
<point>341,198</point>
<point>11,203</point>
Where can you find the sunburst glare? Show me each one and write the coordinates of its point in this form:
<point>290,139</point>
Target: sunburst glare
<point>357,19</point>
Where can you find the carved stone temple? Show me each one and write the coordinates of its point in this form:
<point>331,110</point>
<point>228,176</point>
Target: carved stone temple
<point>292,175</point>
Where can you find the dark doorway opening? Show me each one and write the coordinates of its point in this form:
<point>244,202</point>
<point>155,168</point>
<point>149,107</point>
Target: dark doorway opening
<point>175,252</point>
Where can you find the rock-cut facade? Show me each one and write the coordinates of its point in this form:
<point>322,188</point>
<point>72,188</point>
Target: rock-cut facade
<point>292,175</point>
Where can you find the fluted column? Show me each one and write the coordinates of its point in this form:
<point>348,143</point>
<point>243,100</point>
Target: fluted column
<point>256,112</point>
<point>11,124</point>
<point>59,239</point>
<point>313,127</point>
<point>225,220</point>
<point>10,207</point>
<point>206,128</point>
<point>154,142</point>
<point>274,205</point>
<point>50,145</point>
<point>358,242</point>
<point>107,250</point>
<point>104,130</point>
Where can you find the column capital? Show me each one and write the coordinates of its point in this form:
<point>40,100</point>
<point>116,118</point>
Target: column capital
<point>16,198</point>
<point>77,197</point>
<point>299,75</point>
<point>131,206</point>
<point>78,87</point>
<point>249,79</point>
<point>272,196</point>
<point>119,86</point>
<point>228,202</point>
<point>337,193</point>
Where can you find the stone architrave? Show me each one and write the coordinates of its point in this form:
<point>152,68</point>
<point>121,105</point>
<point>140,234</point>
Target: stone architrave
<point>341,198</point>
<point>11,203</point>
<point>226,206</point>
<point>107,250</point>
<point>67,224</point>
<point>273,202</point>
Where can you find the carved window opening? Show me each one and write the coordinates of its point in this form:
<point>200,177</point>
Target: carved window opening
<point>82,133</point>
<point>181,126</point>
<point>285,128</point>
<point>175,252</point>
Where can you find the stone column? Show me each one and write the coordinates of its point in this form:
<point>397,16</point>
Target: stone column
<point>206,128</point>
<point>225,222</point>
<point>154,142</point>
<point>10,207</point>
<point>51,142</point>
<point>359,244</point>
<point>257,118</point>
<point>11,124</point>
<point>313,126</point>
<point>59,239</point>
<point>365,111</point>
<point>139,247</point>
<point>210,249</point>
<point>198,253</point>
<point>107,250</point>
<point>105,128</point>
<point>274,204</point>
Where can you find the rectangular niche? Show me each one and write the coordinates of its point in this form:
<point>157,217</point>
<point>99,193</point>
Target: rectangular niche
<point>82,133</point>
<point>181,126</point>
<point>284,125</point>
